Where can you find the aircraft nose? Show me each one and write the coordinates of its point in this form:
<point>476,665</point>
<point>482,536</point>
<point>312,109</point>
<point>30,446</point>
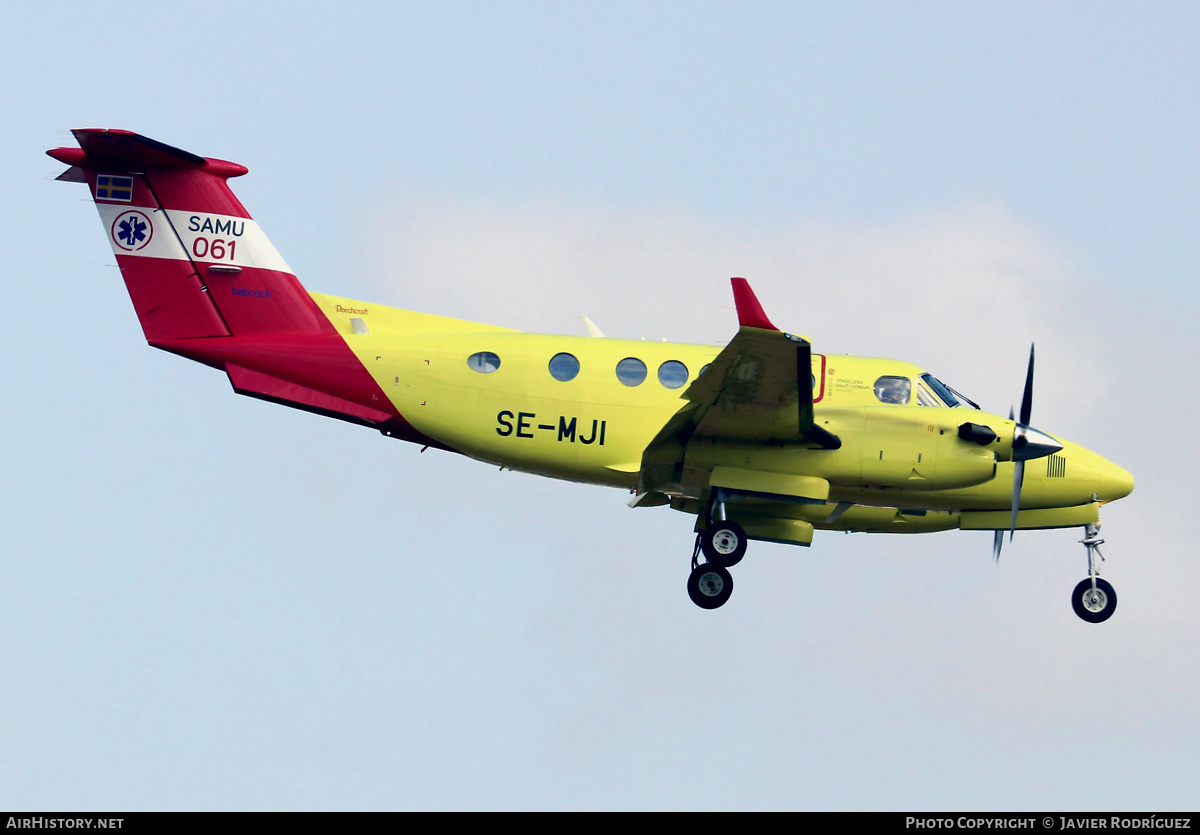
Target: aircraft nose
<point>1088,474</point>
<point>1115,483</point>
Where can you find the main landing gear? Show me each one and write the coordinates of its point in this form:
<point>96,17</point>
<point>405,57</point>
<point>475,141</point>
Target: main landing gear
<point>723,544</point>
<point>1093,599</point>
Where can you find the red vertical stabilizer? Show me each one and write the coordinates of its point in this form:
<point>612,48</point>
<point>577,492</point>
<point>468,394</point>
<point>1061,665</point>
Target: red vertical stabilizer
<point>194,261</point>
<point>208,285</point>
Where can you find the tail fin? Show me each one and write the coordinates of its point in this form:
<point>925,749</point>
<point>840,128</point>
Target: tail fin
<point>194,262</point>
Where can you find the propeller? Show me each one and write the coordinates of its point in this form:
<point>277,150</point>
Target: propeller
<point>1028,443</point>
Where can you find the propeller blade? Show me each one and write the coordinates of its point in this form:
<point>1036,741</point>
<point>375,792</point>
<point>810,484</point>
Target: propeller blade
<point>1018,480</point>
<point>1027,397</point>
<point>1027,443</point>
<point>997,544</point>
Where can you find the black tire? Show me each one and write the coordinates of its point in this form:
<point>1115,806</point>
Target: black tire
<point>723,543</point>
<point>709,586</point>
<point>1094,608</point>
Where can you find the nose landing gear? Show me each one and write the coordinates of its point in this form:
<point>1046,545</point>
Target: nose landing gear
<point>1094,599</point>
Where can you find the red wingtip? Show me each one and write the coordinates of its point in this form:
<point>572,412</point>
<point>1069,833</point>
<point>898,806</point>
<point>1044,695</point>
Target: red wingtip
<point>750,312</point>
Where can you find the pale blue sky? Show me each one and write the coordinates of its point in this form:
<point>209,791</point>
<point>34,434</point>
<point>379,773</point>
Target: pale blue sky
<point>211,602</point>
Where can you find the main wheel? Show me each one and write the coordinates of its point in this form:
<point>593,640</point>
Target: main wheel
<point>724,543</point>
<point>1094,605</point>
<point>709,586</point>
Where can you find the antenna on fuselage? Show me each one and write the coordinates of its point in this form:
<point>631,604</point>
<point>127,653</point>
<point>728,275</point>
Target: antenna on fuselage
<point>591,327</point>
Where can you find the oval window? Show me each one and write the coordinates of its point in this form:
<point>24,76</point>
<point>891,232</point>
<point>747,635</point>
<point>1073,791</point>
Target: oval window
<point>564,367</point>
<point>631,371</point>
<point>672,374</point>
<point>485,362</point>
<point>893,389</point>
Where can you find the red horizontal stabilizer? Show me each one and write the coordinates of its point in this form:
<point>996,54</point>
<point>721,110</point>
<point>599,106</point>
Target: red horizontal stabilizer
<point>124,150</point>
<point>750,312</point>
<point>314,372</point>
<point>275,390</point>
<point>312,361</point>
<point>265,387</point>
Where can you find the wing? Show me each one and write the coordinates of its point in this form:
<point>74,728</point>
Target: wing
<point>759,389</point>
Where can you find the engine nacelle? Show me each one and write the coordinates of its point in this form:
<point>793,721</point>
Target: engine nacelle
<point>920,449</point>
<point>907,448</point>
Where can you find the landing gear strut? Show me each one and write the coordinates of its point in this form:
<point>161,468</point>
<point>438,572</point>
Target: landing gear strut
<point>723,544</point>
<point>1093,599</point>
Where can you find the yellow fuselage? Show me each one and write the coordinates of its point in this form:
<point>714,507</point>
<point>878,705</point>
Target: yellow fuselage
<point>594,428</point>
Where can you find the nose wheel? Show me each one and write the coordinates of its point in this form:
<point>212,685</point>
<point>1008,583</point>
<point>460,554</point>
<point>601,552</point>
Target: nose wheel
<point>1094,599</point>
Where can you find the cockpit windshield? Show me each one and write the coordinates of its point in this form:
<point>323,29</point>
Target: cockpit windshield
<point>947,395</point>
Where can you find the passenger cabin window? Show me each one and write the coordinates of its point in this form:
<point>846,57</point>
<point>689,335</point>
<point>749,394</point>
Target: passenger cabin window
<point>631,371</point>
<point>485,362</point>
<point>893,390</point>
<point>673,374</point>
<point>564,367</point>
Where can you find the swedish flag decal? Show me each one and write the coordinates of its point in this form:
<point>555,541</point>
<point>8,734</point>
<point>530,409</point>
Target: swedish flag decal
<point>109,187</point>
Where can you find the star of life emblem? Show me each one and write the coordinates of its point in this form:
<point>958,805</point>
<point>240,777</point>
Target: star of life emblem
<point>131,231</point>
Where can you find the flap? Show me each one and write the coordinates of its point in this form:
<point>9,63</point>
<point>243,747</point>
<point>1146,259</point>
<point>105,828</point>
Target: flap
<point>770,484</point>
